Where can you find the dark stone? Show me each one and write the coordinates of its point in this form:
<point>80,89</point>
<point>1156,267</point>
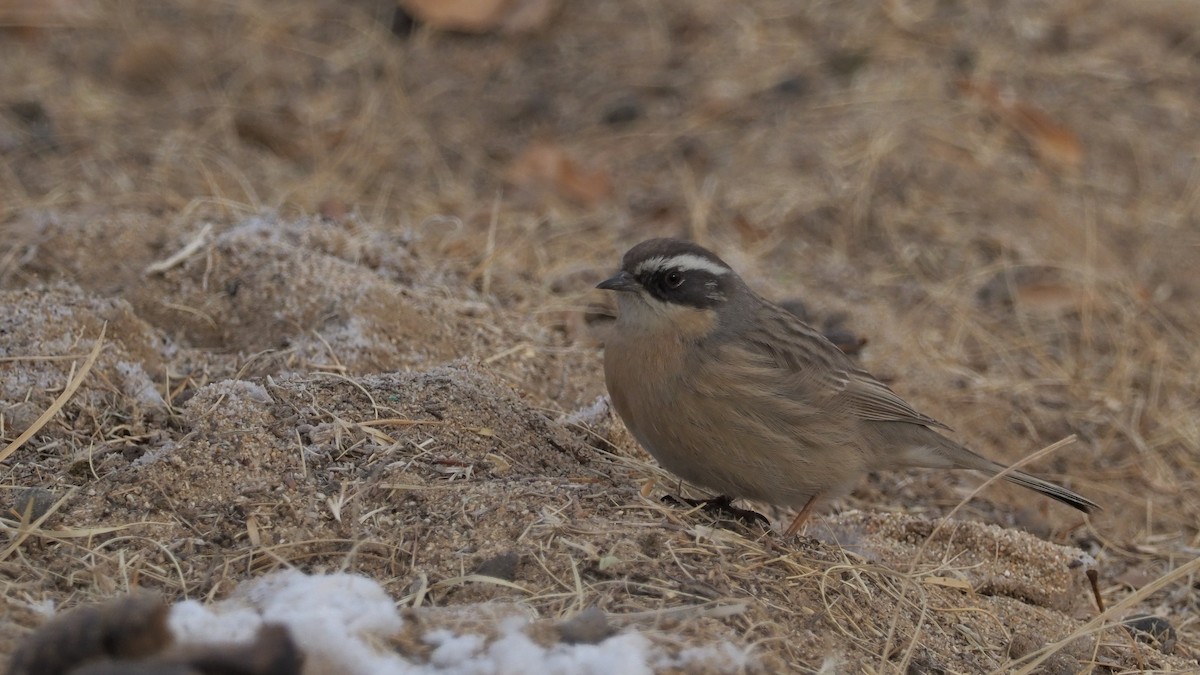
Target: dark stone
<point>622,113</point>
<point>588,627</point>
<point>1153,629</point>
<point>503,566</point>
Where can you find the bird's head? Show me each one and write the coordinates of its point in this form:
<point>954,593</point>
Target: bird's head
<point>672,280</point>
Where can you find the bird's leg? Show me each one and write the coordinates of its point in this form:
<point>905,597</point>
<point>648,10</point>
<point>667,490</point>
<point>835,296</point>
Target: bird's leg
<point>802,517</point>
<point>722,506</point>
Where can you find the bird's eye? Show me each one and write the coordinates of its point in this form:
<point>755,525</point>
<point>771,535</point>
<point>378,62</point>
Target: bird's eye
<point>674,279</point>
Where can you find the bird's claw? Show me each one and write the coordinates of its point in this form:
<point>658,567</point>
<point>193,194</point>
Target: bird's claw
<point>721,506</point>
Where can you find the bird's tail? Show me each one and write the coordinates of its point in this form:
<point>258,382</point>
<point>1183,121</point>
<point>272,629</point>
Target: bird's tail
<point>1047,488</point>
<point>956,456</point>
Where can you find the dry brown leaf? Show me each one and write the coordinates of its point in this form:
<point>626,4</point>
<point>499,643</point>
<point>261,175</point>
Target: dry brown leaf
<point>468,16</point>
<point>27,19</point>
<point>1034,289</point>
<point>1055,145</point>
<point>1049,297</point>
<point>749,231</point>
<point>147,64</point>
<point>547,166</point>
<point>333,209</point>
<point>647,488</point>
<point>482,16</point>
<point>278,132</point>
<point>527,16</point>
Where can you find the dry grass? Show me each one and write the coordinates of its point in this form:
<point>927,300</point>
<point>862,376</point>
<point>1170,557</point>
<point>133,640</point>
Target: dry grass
<point>1021,264</point>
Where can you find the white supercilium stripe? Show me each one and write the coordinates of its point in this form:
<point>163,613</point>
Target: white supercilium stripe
<point>683,262</point>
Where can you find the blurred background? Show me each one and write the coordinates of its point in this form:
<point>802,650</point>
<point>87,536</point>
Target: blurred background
<point>998,202</point>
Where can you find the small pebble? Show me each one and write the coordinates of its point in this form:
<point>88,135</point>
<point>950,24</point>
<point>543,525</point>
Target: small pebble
<point>37,500</point>
<point>503,566</point>
<point>622,113</point>
<point>794,86</point>
<point>1153,629</point>
<point>403,24</point>
<point>587,627</point>
<point>797,308</point>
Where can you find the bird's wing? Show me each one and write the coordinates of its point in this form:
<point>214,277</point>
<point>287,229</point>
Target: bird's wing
<point>803,365</point>
<point>871,399</point>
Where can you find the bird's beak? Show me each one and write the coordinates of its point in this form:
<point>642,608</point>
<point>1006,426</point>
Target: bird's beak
<point>622,283</point>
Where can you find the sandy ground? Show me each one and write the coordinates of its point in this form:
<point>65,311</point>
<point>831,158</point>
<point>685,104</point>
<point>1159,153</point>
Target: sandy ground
<point>343,277</point>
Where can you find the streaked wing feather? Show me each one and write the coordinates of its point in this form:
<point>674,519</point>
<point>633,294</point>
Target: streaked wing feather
<point>811,367</point>
<point>871,399</point>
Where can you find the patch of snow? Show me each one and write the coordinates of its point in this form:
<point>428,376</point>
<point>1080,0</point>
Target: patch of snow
<point>342,622</point>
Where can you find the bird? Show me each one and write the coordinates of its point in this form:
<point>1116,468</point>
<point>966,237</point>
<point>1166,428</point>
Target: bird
<point>735,394</point>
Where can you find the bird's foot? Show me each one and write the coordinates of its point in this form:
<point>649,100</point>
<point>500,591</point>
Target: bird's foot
<point>721,506</point>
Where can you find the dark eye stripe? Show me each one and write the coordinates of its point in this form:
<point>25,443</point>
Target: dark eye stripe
<point>692,288</point>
